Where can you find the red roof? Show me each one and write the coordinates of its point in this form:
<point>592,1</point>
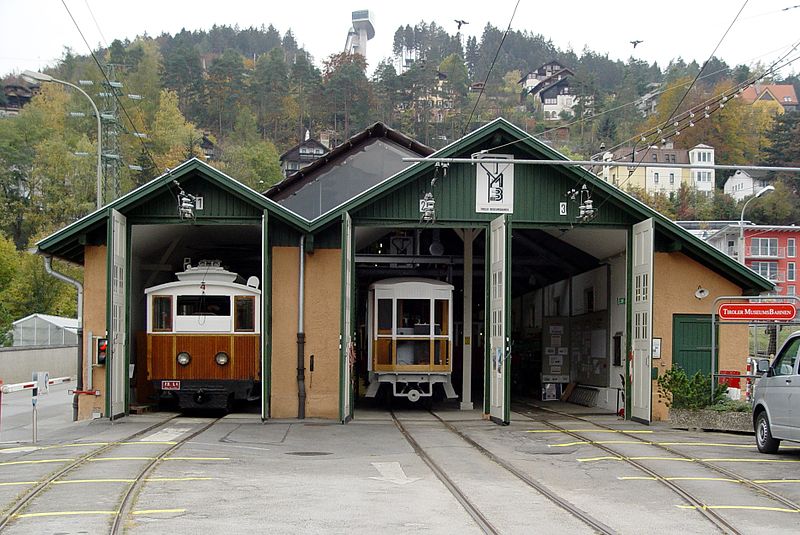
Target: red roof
<point>783,94</point>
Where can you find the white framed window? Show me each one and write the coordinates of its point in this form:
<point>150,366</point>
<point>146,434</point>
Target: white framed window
<point>790,290</point>
<point>790,269</point>
<point>672,178</point>
<point>764,246</point>
<point>768,270</point>
<point>655,178</point>
<point>790,248</point>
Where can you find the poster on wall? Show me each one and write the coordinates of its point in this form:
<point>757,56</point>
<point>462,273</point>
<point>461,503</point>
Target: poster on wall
<point>494,185</point>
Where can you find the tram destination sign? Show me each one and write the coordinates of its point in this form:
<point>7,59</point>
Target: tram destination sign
<point>757,311</point>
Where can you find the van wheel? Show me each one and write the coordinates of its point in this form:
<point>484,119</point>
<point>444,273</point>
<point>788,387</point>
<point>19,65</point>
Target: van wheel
<point>764,440</point>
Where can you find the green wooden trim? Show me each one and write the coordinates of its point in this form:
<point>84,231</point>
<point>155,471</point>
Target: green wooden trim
<point>507,323</point>
<point>342,334</point>
<point>110,347</point>
<point>100,217</point>
<point>128,301</point>
<point>629,323</point>
<point>487,320</point>
<point>266,318</point>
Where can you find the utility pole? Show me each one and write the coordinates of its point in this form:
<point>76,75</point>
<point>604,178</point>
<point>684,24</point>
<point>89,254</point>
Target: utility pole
<point>112,160</point>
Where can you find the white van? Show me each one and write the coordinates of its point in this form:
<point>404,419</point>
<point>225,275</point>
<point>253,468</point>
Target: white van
<point>776,399</point>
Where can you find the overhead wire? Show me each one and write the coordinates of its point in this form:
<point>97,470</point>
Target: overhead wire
<point>595,116</point>
<point>489,72</point>
<point>116,97</point>
<point>688,89</point>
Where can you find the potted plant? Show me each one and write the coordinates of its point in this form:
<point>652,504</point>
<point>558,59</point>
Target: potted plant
<point>692,407</point>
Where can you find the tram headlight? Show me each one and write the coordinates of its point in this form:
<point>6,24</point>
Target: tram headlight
<point>221,358</point>
<point>183,358</point>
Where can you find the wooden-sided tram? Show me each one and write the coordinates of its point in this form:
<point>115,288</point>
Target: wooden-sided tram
<point>204,337</point>
<point>410,332</point>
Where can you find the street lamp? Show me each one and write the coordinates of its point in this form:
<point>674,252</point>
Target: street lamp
<point>765,190</point>
<point>33,76</point>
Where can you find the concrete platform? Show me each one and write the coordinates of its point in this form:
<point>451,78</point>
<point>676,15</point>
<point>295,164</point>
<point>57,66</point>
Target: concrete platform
<point>318,476</point>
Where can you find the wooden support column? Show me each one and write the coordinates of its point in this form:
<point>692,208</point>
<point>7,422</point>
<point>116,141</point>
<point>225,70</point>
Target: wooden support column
<point>467,235</point>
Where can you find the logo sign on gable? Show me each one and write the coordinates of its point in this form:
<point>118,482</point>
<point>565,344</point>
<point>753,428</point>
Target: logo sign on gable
<point>494,185</point>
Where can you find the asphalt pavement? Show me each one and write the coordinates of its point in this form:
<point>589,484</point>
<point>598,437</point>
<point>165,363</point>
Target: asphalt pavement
<point>314,476</point>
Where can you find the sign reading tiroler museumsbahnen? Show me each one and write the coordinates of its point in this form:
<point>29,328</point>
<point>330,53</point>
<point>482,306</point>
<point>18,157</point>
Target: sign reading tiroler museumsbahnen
<point>757,311</point>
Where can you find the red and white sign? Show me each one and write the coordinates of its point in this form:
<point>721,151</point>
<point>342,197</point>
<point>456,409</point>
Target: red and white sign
<point>170,385</point>
<point>757,311</point>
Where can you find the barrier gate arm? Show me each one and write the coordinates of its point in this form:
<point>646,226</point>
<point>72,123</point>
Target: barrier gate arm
<point>16,387</point>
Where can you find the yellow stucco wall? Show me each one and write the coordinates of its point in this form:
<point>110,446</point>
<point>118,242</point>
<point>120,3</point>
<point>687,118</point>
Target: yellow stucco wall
<point>322,321</point>
<point>676,277</point>
<point>94,321</point>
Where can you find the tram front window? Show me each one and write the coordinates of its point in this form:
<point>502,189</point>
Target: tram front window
<point>204,305</point>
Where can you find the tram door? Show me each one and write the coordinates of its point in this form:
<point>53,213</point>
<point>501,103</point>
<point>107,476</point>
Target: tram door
<point>117,336</point>
<point>346,336</point>
<point>499,342</point>
<point>642,311</point>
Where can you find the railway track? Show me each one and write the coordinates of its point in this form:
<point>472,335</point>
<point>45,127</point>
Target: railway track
<point>730,474</point>
<point>40,489</point>
<point>712,515</point>
<point>483,523</point>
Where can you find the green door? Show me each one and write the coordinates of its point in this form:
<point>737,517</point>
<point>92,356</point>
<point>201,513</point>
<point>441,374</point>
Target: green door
<point>691,342</point>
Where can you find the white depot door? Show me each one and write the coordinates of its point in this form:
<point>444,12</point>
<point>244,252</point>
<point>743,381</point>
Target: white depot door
<point>499,342</point>
<point>117,334</point>
<point>346,338</point>
<point>642,311</point>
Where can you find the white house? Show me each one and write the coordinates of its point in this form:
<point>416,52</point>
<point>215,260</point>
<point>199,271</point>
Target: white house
<point>743,184</point>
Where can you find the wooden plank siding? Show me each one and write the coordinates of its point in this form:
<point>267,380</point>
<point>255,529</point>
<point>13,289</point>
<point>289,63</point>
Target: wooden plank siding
<point>538,191</point>
<point>244,351</point>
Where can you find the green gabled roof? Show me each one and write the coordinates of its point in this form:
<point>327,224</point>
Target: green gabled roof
<point>68,242</point>
<point>665,228</point>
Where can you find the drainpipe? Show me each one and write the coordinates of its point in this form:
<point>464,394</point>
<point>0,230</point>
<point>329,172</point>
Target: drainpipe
<point>78,286</point>
<point>301,336</point>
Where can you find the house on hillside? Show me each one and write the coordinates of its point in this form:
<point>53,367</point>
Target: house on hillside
<point>16,95</point>
<point>743,184</point>
<point>301,155</point>
<point>783,94</point>
<point>551,86</point>
<point>661,179</point>
<point>648,103</point>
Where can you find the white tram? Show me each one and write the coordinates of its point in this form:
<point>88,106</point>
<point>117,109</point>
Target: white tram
<point>410,330</point>
<point>204,337</point>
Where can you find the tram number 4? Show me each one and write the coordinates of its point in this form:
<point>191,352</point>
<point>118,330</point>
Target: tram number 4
<point>170,385</point>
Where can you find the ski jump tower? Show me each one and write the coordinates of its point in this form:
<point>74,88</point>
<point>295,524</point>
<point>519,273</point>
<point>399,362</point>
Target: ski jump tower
<point>360,32</point>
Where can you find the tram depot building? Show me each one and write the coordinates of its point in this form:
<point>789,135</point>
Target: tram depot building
<point>369,274</point>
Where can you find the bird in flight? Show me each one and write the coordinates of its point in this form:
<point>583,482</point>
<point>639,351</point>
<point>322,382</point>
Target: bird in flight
<point>636,42</point>
<point>460,23</point>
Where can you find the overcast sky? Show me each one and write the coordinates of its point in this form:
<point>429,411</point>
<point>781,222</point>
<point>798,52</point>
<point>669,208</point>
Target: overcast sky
<point>33,33</point>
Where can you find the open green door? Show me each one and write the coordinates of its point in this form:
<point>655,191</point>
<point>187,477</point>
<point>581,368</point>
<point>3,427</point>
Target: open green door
<point>116,363</point>
<point>346,335</point>
<point>499,346</point>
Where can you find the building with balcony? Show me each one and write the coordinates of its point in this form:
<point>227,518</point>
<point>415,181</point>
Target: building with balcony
<point>769,250</point>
